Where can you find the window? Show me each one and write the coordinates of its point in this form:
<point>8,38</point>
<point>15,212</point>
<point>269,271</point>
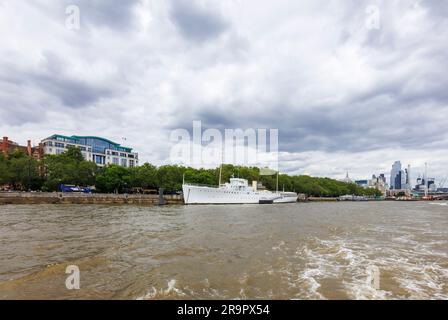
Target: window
<point>123,155</point>
<point>97,145</point>
<point>124,162</point>
<point>115,161</point>
<point>131,163</point>
<point>99,159</point>
<point>59,145</point>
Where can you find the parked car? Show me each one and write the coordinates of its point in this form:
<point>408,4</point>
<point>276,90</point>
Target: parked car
<point>74,189</point>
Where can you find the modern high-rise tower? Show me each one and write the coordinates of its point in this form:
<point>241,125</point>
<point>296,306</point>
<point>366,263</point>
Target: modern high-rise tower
<point>408,184</point>
<point>397,176</point>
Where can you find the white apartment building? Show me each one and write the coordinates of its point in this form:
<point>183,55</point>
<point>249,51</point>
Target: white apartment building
<point>99,150</point>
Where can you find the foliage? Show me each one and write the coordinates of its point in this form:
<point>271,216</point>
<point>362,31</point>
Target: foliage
<point>4,172</point>
<point>23,173</point>
<point>114,179</point>
<point>68,168</point>
<point>169,177</point>
<point>144,176</point>
<point>20,171</point>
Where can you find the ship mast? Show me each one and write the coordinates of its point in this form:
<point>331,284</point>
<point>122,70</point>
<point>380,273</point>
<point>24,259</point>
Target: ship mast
<point>277,183</point>
<point>426,179</point>
<point>220,167</point>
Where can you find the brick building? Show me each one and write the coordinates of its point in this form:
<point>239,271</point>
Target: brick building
<point>7,147</point>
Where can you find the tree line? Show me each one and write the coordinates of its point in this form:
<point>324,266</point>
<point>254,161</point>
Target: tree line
<point>22,172</point>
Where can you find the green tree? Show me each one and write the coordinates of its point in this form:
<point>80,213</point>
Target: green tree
<point>144,176</point>
<point>201,176</point>
<point>23,172</point>
<point>114,179</point>
<point>68,168</point>
<point>170,177</point>
<point>73,154</point>
<point>4,172</point>
<point>86,171</point>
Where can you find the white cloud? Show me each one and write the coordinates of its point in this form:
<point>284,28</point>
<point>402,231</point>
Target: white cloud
<point>344,98</point>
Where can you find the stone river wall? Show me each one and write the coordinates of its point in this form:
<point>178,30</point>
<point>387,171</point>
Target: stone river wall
<point>75,198</point>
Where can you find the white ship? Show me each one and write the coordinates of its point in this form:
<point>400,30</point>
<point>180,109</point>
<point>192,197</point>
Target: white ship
<point>237,191</point>
<point>286,197</point>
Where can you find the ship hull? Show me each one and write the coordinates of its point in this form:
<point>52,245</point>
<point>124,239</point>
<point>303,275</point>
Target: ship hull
<point>208,195</point>
<point>286,198</point>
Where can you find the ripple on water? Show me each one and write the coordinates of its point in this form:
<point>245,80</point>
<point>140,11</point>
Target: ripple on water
<point>419,275</point>
<point>293,252</point>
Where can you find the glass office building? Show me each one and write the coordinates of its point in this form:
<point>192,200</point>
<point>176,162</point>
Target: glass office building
<point>99,150</point>
<point>397,177</point>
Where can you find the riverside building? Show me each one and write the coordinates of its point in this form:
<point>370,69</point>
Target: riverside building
<point>7,147</point>
<point>96,149</point>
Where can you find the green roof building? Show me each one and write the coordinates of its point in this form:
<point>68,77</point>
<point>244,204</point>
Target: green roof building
<point>99,150</point>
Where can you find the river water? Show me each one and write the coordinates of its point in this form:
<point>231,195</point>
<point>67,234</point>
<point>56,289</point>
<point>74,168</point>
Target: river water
<point>291,251</point>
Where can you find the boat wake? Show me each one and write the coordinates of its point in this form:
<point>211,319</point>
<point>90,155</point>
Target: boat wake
<point>439,203</point>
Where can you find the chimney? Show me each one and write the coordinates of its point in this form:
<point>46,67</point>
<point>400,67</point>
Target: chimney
<point>4,146</point>
<point>41,150</point>
<point>28,148</point>
<point>255,185</point>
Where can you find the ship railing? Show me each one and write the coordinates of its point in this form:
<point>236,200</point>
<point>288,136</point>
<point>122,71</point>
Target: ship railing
<point>201,185</point>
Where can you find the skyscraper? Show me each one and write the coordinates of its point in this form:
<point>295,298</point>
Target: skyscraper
<point>397,176</point>
<point>408,183</point>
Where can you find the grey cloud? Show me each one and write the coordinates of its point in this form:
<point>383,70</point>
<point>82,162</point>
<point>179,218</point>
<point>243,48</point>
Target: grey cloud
<point>116,15</point>
<point>437,7</point>
<point>18,104</point>
<point>72,93</point>
<point>196,23</point>
<point>259,75</point>
<point>364,124</point>
<point>21,112</point>
<point>52,80</point>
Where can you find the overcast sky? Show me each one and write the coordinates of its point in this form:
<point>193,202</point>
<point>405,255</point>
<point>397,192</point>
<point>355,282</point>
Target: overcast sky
<point>344,94</point>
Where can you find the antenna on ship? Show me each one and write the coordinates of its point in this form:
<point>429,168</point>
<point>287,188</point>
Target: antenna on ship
<point>220,167</point>
<point>277,182</point>
<point>426,179</point>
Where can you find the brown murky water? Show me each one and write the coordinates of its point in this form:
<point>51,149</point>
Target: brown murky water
<point>293,251</point>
